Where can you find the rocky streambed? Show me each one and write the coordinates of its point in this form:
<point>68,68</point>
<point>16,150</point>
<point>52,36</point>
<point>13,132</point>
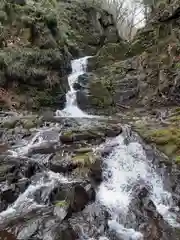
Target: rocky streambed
<point>65,177</point>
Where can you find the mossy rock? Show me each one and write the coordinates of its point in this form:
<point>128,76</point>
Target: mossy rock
<point>84,159</point>
<point>31,123</point>
<point>145,38</point>
<point>62,203</point>
<point>166,139</point>
<point>83,150</point>
<point>38,39</point>
<point>100,96</point>
<point>10,123</point>
<point>108,54</point>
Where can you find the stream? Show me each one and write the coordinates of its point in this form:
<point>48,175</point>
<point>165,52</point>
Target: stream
<point>125,170</point>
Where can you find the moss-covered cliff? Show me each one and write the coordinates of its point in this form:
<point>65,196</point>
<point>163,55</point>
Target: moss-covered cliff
<point>37,41</point>
<point>142,73</point>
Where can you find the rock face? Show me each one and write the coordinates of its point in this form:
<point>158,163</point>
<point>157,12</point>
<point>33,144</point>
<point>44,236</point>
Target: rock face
<point>35,55</point>
<point>142,73</point>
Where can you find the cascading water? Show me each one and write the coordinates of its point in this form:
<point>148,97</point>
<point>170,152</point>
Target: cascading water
<point>71,109</point>
<point>123,167</point>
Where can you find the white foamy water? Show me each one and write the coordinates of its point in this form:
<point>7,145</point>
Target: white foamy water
<point>71,109</point>
<point>43,135</point>
<point>123,168</point>
<point>26,201</point>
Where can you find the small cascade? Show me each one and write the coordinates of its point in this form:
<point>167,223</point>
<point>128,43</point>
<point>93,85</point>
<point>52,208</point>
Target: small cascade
<point>123,168</point>
<point>40,137</point>
<point>26,202</point>
<point>71,109</point>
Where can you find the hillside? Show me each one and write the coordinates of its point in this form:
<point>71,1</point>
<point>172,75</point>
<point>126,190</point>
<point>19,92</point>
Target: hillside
<point>38,39</point>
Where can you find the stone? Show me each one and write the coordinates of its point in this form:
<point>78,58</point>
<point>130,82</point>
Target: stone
<point>30,169</point>
<point>83,100</point>
<point>3,205</point>
<point>78,198</point>
<point>29,123</point>
<point>84,79</point>
<point>91,193</point>
<point>113,131</point>
<point>22,184</point>
<point>12,177</point>
<point>66,139</point>
<point>60,193</point>
<point>77,86</point>
<point>95,172</point>
<point>65,232</point>
<point>107,149</point>
<point>10,123</point>
<point>83,150</point>
<point>63,166</point>
<point>5,170</point>
<point>84,159</point>
<point>8,195</point>
<point>43,148</point>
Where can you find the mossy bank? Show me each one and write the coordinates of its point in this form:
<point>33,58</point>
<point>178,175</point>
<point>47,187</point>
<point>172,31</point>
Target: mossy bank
<point>38,40</point>
<point>141,73</point>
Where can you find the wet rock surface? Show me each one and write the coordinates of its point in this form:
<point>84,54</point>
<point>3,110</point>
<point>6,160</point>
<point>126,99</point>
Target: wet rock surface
<point>32,163</point>
<point>59,175</point>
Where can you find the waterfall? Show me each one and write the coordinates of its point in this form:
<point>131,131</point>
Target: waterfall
<point>122,169</point>
<point>71,109</point>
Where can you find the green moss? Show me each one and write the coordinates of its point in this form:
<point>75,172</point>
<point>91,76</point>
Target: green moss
<point>3,16</point>
<point>83,150</point>
<point>84,159</point>
<point>175,119</point>
<point>136,48</point>
<point>11,123</point>
<point>31,122</point>
<point>166,139</point>
<point>62,203</point>
<point>177,65</point>
<point>110,53</point>
<point>30,56</point>
<point>101,94</point>
<point>177,159</point>
<point>145,38</point>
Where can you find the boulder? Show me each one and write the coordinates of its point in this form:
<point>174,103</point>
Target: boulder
<point>60,194</point>
<point>22,184</point>
<point>101,131</point>
<point>65,232</point>
<point>66,138</point>
<point>62,166</point>
<point>31,169</point>
<point>91,192</point>
<point>95,172</point>
<point>83,102</point>
<point>43,148</point>
<point>8,195</point>
<point>7,169</point>
<point>77,86</point>
<point>107,149</point>
<point>10,123</point>
<point>78,199</point>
